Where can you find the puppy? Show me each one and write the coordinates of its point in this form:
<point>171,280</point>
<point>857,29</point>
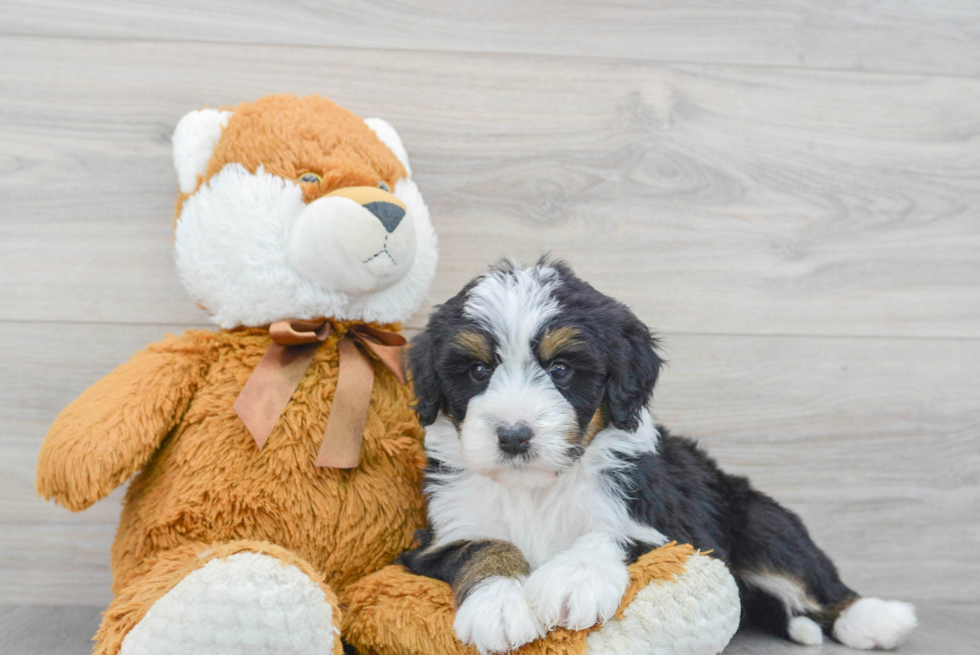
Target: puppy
<point>547,476</point>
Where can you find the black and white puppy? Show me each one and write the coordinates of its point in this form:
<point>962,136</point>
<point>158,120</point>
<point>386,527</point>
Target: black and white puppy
<point>547,475</point>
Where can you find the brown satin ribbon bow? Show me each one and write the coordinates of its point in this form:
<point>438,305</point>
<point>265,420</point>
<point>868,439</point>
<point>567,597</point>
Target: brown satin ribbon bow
<point>282,367</point>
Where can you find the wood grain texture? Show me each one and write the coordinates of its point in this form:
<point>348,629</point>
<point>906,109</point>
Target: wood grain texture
<point>788,190</point>
<point>48,630</point>
<point>41,630</point>
<point>939,36</point>
<point>47,554</point>
<point>943,629</point>
<point>729,200</point>
<point>873,441</point>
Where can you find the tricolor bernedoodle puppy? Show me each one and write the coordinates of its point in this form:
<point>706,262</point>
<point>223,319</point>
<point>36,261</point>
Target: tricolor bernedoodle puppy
<point>547,476</point>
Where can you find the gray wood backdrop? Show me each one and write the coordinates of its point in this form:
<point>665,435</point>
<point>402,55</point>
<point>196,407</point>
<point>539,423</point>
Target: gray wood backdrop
<point>789,191</point>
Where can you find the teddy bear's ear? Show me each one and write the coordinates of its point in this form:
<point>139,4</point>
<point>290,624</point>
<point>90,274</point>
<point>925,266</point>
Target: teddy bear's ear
<point>194,139</point>
<point>390,138</point>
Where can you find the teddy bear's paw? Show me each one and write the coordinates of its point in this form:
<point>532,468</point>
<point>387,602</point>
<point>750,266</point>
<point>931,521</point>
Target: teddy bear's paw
<point>695,612</point>
<point>872,623</point>
<point>246,603</point>
<point>576,590</point>
<point>496,617</point>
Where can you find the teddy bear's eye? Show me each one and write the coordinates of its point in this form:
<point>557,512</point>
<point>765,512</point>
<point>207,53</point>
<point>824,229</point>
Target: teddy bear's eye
<point>310,178</point>
<point>384,186</point>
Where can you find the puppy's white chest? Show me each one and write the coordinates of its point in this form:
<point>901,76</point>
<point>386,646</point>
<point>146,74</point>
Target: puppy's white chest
<point>540,521</point>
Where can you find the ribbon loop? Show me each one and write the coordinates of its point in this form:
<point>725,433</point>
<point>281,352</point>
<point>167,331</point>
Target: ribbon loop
<point>384,337</point>
<point>299,331</point>
<point>283,366</point>
<point>388,347</point>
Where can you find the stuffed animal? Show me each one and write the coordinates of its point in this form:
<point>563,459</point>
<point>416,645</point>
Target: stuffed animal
<point>255,500</point>
<point>278,461</point>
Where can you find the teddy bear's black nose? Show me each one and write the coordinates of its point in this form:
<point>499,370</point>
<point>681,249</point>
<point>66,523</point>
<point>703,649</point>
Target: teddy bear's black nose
<point>388,213</point>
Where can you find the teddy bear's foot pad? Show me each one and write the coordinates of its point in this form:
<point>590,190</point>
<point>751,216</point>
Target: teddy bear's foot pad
<point>696,617</point>
<point>247,603</point>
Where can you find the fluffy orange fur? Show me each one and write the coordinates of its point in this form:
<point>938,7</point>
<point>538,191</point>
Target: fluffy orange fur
<point>202,482</point>
<point>290,136</point>
<point>166,416</point>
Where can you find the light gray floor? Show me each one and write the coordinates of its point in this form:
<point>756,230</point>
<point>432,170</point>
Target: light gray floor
<point>788,191</point>
<point>945,630</point>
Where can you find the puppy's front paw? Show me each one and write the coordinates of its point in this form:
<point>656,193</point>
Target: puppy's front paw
<point>576,591</point>
<point>496,617</point>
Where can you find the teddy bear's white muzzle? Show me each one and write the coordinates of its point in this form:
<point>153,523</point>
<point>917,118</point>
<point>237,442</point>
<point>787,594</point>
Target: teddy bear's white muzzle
<point>342,245</point>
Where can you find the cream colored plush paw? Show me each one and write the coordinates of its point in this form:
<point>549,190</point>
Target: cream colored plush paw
<point>246,604</point>
<point>695,615</point>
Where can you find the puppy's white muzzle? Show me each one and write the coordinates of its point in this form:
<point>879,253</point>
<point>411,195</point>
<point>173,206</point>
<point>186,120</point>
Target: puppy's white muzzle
<point>355,240</point>
<point>519,394</point>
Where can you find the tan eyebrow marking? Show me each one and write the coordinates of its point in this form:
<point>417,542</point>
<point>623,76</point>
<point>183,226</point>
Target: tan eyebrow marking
<point>474,343</point>
<point>560,339</point>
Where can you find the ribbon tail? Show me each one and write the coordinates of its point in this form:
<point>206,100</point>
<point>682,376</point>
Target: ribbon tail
<point>341,446</point>
<point>268,390</point>
<point>390,356</point>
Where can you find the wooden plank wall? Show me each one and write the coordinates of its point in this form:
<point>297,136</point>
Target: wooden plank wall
<point>788,191</point>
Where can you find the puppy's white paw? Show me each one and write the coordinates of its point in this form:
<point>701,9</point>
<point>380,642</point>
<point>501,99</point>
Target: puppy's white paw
<point>804,631</point>
<point>496,617</point>
<point>874,623</point>
<point>576,589</point>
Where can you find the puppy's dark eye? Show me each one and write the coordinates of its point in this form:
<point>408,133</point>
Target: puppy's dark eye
<point>480,372</point>
<point>560,373</point>
<point>310,178</point>
<point>384,186</point>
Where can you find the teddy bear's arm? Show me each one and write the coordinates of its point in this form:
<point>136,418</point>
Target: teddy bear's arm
<point>111,430</point>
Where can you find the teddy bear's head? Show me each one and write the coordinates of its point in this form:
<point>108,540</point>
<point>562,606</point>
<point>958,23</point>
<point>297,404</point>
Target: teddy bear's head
<point>296,208</point>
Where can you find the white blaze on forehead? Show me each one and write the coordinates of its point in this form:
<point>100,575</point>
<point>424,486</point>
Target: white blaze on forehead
<point>513,306</point>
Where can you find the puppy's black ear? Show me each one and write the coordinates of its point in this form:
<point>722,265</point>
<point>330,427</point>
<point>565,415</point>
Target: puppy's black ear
<point>633,369</point>
<point>425,383</point>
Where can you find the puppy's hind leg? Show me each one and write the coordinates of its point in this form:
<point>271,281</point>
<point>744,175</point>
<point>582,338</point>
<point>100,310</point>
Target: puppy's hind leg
<point>791,588</point>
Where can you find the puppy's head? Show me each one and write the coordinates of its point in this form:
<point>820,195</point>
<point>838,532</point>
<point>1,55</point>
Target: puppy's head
<point>529,364</point>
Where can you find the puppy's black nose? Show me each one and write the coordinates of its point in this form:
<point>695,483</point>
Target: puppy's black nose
<point>515,439</point>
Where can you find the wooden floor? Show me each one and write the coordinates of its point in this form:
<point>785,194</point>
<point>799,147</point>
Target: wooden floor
<point>68,630</point>
<point>788,190</point>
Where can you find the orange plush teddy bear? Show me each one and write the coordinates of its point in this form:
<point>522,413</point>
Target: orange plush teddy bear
<point>290,208</point>
<point>278,461</point>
